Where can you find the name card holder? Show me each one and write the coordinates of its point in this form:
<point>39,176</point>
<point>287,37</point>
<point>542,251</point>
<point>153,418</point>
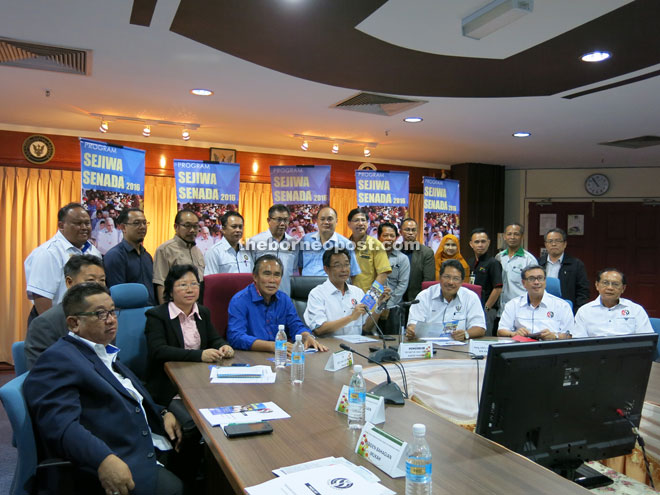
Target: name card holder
<point>374,407</point>
<point>385,451</point>
<point>339,360</point>
<point>480,347</point>
<point>415,350</point>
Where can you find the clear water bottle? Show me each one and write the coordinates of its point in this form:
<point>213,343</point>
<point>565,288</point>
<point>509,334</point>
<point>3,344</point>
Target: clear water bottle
<point>280,347</point>
<point>418,464</point>
<point>298,361</point>
<point>356,399</point>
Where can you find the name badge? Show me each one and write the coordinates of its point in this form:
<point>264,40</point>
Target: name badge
<point>385,451</point>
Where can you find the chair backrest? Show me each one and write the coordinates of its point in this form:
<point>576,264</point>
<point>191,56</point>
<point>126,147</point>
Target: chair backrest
<point>218,291</point>
<point>553,286</point>
<point>18,354</point>
<point>11,395</point>
<point>474,288</point>
<point>426,285</point>
<point>300,288</point>
<point>132,299</point>
<point>655,323</point>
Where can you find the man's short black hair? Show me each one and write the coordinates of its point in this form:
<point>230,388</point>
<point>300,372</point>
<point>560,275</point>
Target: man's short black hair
<point>408,219</point>
<point>263,259</point>
<point>523,273</point>
<point>175,273</point>
<point>75,299</point>
<point>357,211</point>
<point>122,219</point>
<point>452,264</point>
<point>225,218</point>
<point>278,208</point>
<point>329,253</point>
<point>390,225</point>
<point>78,261</point>
<point>64,211</point>
<point>556,230</point>
<point>479,230</point>
<point>180,213</point>
<point>623,276</point>
<point>515,224</point>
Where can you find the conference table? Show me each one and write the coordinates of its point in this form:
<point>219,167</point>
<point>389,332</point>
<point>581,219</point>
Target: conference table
<point>463,462</point>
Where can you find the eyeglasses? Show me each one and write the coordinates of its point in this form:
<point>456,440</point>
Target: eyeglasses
<point>139,223</point>
<point>101,314</point>
<point>555,241</point>
<point>449,278</point>
<point>540,278</point>
<point>608,283</point>
<point>192,285</point>
<point>279,220</point>
<point>189,226</point>
<point>341,265</point>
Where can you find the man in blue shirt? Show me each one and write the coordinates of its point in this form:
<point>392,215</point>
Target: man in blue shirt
<point>256,311</point>
<point>129,261</point>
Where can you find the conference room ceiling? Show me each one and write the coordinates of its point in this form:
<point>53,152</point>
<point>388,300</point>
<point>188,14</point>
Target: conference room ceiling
<point>278,67</point>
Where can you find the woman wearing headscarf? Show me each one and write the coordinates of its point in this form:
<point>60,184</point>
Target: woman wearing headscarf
<point>450,249</point>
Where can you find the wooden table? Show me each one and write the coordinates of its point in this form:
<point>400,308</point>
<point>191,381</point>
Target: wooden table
<point>463,462</point>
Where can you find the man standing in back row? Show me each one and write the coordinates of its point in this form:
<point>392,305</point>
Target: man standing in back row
<point>422,262</point>
<point>370,253</point>
<point>514,260</point>
<point>486,273</point>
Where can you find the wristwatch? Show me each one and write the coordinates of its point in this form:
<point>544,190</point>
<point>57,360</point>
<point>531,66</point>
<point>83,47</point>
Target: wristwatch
<point>486,309</point>
<point>467,335</point>
<point>163,412</point>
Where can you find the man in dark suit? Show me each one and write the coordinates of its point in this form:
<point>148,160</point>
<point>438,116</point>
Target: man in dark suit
<point>91,410</point>
<point>570,271</point>
<point>422,262</point>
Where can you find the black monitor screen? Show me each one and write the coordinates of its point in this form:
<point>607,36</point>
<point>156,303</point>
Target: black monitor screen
<point>556,402</point>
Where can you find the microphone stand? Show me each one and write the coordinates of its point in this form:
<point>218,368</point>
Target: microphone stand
<point>389,390</point>
<point>387,354</point>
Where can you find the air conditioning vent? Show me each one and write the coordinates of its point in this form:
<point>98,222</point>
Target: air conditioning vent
<point>377,104</point>
<point>635,143</point>
<point>16,53</point>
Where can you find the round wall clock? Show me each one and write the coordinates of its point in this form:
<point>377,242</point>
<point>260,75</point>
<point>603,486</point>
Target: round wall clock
<point>597,184</point>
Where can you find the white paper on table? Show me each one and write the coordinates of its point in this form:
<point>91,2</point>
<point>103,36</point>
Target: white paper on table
<point>444,343</point>
<point>242,374</point>
<point>356,339</point>
<point>324,480</point>
<point>328,461</point>
<point>217,418</point>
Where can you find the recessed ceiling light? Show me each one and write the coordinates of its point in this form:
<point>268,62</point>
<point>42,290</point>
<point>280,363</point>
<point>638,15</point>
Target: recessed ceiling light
<point>521,134</point>
<point>595,56</point>
<point>201,92</point>
<point>413,120</point>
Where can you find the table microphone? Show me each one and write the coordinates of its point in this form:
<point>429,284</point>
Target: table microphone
<point>389,390</point>
<point>386,353</point>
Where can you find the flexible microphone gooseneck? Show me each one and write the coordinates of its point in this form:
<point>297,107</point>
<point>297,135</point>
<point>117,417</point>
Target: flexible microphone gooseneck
<point>386,354</point>
<point>389,390</point>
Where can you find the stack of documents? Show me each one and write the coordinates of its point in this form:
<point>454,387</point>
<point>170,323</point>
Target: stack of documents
<point>356,339</point>
<point>239,374</point>
<point>250,413</point>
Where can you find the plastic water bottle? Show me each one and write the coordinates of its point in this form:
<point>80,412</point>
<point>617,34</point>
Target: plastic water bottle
<point>356,399</point>
<point>418,464</point>
<point>280,347</point>
<point>298,361</point>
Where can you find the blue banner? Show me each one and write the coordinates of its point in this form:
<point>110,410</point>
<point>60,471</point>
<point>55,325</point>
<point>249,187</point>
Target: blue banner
<point>381,188</point>
<point>441,195</point>
<point>206,182</point>
<point>106,167</point>
<point>300,184</point>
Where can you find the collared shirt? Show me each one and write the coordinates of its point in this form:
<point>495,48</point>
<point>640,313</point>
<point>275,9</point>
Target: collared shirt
<point>250,318</point>
<point>552,313</point>
<point>487,273</point>
<point>44,267</point>
<point>176,251</point>
<point>464,311</point>
<point>512,267</point>
<point>326,303</point>
<point>126,264</point>
<point>372,259</point>
<point>107,354</point>
<point>222,258</point>
<point>398,279</point>
<point>286,250</point>
<point>191,338</point>
<point>625,318</point>
<point>311,254</point>
<point>552,269</point>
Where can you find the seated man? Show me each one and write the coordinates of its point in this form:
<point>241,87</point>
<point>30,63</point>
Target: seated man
<point>537,314</point>
<point>48,327</point>
<point>93,411</point>
<point>334,307</point>
<point>456,310</point>
<point>256,311</point>
<point>610,314</point>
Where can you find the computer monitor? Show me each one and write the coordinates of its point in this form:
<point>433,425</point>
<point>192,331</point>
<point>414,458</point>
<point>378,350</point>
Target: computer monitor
<point>556,402</point>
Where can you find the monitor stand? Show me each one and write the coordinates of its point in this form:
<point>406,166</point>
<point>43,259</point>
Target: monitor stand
<point>584,476</point>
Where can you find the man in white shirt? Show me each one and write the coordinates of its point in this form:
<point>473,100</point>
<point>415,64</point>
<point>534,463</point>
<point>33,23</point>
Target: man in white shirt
<point>229,255</point>
<point>514,259</point>
<point>537,314</point>
<point>456,310</point>
<point>44,267</point>
<point>611,314</point>
<point>334,307</point>
<point>277,242</point>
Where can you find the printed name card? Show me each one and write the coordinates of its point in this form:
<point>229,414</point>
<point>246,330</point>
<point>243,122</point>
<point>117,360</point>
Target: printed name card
<point>416,350</point>
<point>385,451</point>
<point>339,360</point>
<point>374,406</point>
<point>480,347</point>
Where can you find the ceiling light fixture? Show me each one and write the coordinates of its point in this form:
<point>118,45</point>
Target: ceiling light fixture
<point>306,139</point>
<point>146,132</point>
<point>413,120</point>
<point>521,134</point>
<point>145,123</point>
<point>305,145</point>
<point>494,16</point>
<point>201,92</point>
<point>104,126</point>
<point>367,152</point>
<point>596,56</point>
<point>335,148</point>
<point>185,135</point>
